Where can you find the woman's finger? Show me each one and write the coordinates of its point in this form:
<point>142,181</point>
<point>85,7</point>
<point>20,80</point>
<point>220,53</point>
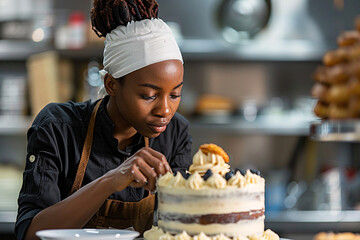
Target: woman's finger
<point>155,163</point>
<point>147,171</point>
<point>160,157</point>
<point>137,175</point>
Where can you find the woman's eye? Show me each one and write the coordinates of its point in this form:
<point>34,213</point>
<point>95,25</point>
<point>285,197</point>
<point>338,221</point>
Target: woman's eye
<point>145,97</point>
<point>175,96</point>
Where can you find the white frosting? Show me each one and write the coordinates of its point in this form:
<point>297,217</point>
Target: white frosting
<point>195,196</point>
<point>195,181</point>
<point>216,181</point>
<point>182,236</point>
<point>224,205</point>
<point>201,236</point>
<point>251,182</point>
<point>267,235</point>
<point>177,181</point>
<point>156,233</point>
<point>153,233</point>
<point>240,238</point>
<point>204,161</point>
<point>244,227</point>
<point>164,180</point>
<point>270,235</point>
<point>252,178</point>
<point>166,236</point>
<point>221,237</point>
<point>237,180</point>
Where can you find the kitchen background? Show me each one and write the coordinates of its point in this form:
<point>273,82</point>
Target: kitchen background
<point>248,67</point>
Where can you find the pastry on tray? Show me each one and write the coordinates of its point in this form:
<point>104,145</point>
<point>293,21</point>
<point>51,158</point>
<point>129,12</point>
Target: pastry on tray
<point>336,236</point>
<point>337,86</point>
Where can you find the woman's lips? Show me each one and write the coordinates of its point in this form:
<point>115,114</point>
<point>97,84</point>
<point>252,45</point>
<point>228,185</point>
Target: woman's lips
<point>158,129</point>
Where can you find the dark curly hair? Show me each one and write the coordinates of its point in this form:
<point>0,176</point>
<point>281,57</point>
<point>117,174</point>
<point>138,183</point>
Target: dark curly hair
<point>106,15</point>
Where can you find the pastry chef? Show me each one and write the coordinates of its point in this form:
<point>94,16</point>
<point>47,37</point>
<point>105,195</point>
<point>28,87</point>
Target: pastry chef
<point>94,164</point>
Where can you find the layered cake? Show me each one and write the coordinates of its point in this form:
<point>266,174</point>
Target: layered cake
<point>211,201</point>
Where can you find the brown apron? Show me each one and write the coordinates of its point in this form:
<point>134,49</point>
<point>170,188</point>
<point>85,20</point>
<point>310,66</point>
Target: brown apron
<point>114,213</point>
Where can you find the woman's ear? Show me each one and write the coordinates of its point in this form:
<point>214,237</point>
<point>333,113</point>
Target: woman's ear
<point>110,84</point>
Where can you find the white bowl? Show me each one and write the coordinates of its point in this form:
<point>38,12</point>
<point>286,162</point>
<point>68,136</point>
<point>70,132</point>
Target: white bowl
<point>93,234</point>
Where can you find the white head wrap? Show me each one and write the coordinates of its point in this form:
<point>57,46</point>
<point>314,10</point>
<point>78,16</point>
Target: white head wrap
<point>137,45</point>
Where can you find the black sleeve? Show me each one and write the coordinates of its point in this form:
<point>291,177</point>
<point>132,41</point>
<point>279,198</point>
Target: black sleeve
<point>181,158</point>
<point>39,189</point>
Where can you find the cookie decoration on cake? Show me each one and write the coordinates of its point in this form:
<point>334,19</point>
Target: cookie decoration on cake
<point>210,156</point>
<point>215,149</point>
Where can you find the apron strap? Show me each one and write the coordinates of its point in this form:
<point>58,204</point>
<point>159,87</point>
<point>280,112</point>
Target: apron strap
<point>146,141</point>
<point>85,155</point>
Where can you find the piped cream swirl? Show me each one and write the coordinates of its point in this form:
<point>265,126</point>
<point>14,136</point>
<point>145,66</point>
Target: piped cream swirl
<point>252,178</point>
<point>195,181</point>
<point>204,161</point>
<point>201,236</point>
<point>237,180</point>
<point>216,181</point>
<point>166,236</point>
<point>177,181</point>
<point>164,180</point>
<point>267,235</point>
<point>156,233</point>
<point>221,237</point>
<point>182,236</point>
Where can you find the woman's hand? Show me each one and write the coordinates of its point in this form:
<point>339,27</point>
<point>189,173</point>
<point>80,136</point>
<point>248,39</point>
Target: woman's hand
<point>140,170</point>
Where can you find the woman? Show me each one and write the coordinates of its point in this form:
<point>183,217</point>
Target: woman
<point>100,146</point>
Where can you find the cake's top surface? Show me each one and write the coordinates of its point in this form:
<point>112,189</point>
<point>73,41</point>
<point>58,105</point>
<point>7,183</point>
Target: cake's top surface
<point>210,170</point>
<point>196,182</point>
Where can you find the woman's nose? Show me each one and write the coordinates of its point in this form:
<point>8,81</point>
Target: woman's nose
<point>162,109</point>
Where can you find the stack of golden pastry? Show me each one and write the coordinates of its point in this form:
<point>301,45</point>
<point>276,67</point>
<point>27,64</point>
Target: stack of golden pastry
<point>336,236</point>
<point>337,86</point>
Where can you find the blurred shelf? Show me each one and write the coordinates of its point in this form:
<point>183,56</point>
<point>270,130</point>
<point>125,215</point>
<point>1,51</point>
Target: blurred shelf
<point>336,131</point>
<point>18,125</point>
<point>192,49</point>
<point>17,18</point>
<point>229,125</point>
<point>20,50</point>
<point>90,51</point>
<point>7,221</point>
<point>260,50</point>
<point>313,221</point>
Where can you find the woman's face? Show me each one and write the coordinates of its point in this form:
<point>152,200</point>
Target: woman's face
<point>148,98</point>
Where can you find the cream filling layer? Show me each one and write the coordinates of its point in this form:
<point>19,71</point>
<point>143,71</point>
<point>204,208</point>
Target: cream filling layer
<point>211,206</point>
<point>210,191</point>
<point>244,228</point>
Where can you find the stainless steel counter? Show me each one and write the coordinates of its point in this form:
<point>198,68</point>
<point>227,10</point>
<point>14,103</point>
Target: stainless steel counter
<point>313,221</point>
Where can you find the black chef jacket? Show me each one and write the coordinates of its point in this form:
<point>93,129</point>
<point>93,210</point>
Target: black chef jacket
<point>55,143</point>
